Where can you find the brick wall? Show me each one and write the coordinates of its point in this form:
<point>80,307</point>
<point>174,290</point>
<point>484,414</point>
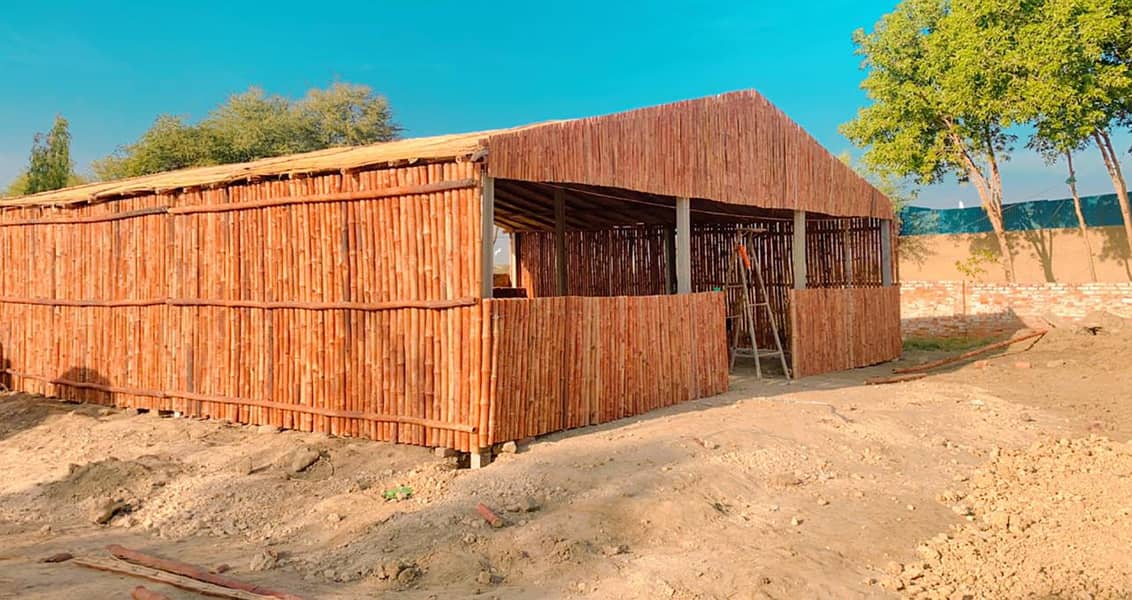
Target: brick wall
<point>966,309</point>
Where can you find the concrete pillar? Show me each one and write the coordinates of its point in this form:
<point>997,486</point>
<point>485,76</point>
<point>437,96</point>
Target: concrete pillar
<point>683,246</point>
<point>516,259</point>
<point>886,253</point>
<point>799,250</point>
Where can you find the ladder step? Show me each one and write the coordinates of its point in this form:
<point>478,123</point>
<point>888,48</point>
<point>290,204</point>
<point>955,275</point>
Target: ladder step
<point>753,286</point>
<point>762,353</point>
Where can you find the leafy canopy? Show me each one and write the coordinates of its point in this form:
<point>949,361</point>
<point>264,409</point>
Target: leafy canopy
<point>49,164</point>
<point>1079,80</point>
<point>940,79</point>
<point>253,125</point>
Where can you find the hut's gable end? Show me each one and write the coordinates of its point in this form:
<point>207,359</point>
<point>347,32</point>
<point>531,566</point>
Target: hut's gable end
<point>735,148</point>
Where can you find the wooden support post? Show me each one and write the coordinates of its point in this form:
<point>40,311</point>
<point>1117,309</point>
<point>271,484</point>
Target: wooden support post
<point>563,286</point>
<point>670,260</point>
<point>847,251</point>
<point>516,258</point>
<point>886,253</point>
<point>683,246</point>
<point>799,249</point>
<point>487,243</point>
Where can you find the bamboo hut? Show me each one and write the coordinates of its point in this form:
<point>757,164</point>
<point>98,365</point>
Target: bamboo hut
<point>349,290</point>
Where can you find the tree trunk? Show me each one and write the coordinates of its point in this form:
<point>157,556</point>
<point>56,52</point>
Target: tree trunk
<point>994,213</point>
<point>1081,226</point>
<point>990,194</point>
<point>1112,163</point>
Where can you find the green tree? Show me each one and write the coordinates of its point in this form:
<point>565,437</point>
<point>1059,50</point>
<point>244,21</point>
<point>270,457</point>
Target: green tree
<point>254,125</point>
<point>1078,82</point>
<point>940,76</point>
<point>50,166</point>
<point>900,192</point>
<point>18,186</point>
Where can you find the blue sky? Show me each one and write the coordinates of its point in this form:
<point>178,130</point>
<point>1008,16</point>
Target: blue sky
<point>112,67</point>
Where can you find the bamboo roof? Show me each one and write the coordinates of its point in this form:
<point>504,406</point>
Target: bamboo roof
<point>320,161</point>
<point>735,148</point>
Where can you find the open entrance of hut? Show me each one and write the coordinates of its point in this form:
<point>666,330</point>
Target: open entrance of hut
<point>591,241</point>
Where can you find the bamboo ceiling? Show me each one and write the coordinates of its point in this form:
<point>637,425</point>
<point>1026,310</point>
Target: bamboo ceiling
<point>529,206</point>
<point>735,149</point>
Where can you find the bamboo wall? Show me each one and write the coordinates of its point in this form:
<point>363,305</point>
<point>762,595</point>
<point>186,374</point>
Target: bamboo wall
<point>346,304</point>
<point>836,329</point>
<point>338,303</point>
<point>627,261</point>
<point>840,252</point>
<point>581,361</point>
<point>736,148</point>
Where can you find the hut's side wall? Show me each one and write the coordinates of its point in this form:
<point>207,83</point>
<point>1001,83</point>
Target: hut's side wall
<point>341,304</point>
<point>577,361</point>
<point>735,148</point>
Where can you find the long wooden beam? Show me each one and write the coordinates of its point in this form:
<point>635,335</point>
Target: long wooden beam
<point>297,408</point>
<point>935,364</point>
<point>193,572</point>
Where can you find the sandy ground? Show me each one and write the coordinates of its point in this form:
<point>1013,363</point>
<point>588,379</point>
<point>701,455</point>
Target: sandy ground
<point>980,482</point>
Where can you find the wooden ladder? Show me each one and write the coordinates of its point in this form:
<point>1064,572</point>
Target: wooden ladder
<point>748,312</point>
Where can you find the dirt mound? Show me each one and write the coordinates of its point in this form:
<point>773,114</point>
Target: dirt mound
<point>1048,522</point>
<point>1105,322</point>
<point>96,484</point>
<point>109,477</point>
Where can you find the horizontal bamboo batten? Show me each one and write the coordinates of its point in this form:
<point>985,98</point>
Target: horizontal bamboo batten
<point>336,303</point>
<point>577,361</point>
<point>835,329</point>
<point>247,303</point>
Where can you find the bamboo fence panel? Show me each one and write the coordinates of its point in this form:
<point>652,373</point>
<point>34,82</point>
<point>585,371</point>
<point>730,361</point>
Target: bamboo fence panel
<point>633,261</point>
<point>836,329</point>
<point>339,303</point>
<point>736,148</point>
<point>875,325</point>
<point>578,361</point>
